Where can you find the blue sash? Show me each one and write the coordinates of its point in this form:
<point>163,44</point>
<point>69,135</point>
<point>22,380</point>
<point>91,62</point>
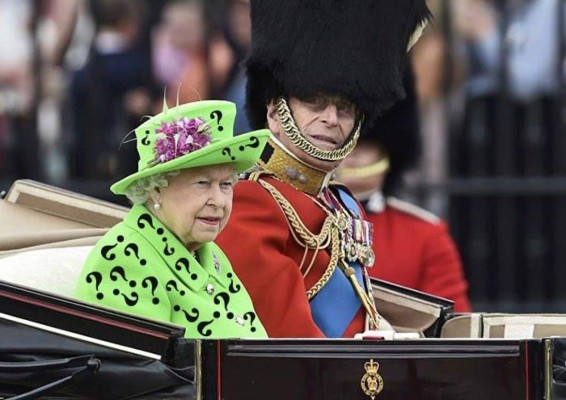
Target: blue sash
<point>336,304</point>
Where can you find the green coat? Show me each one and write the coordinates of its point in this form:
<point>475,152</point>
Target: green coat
<point>141,268</point>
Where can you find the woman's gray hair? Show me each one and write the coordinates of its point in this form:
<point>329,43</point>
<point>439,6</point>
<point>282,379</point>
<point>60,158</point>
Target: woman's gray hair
<point>139,191</point>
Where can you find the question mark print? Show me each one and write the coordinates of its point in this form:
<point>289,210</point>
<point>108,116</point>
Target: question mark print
<point>168,251</point>
<point>172,284</point>
<point>132,248</point>
<point>184,263</point>
<point>97,278</point>
<point>225,301</point>
<point>254,143</point>
<point>119,271</point>
<point>106,250</point>
<point>189,317</point>
<point>146,220</point>
<point>217,114</point>
<point>251,316</point>
<point>153,282</point>
<point>145,140</point>
<point>227,152</point>
<point>131,302</point>
<point>202,325</point>
<point>234,288</point>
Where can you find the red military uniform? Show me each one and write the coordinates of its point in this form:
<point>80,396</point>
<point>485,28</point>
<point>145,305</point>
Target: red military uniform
<point>300,247</point>
<point>413,248</point>
<point>266,257</point>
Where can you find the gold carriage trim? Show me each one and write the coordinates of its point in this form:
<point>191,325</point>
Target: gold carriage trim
<point>371,383</point>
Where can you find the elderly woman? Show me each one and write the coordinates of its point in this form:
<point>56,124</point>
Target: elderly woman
<point>160,261</point>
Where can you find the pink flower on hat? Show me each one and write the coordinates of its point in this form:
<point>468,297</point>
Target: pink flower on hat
<point>180,137</point>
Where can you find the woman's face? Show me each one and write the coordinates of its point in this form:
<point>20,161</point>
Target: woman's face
<point>197,203</point>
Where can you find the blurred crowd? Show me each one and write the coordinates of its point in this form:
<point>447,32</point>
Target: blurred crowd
<point>76,76</point>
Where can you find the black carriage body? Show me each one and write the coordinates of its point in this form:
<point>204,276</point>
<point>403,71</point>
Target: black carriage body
<point>408,370</point>
<point>141,359</point>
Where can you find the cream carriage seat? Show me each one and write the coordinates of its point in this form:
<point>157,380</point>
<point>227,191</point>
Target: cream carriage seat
<point>504,326</point>
<point>46,233</point>
<point>54,270</point>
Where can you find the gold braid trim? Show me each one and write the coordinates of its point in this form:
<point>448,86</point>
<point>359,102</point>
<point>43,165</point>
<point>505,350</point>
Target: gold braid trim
<point>293,133</point>
<point>376,168</point>
<point>308,238</point>
<point>329,235</point>
<point>255,175</point>
<point>334,255</point>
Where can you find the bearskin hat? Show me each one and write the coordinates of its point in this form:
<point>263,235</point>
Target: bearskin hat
<point>352,48</point>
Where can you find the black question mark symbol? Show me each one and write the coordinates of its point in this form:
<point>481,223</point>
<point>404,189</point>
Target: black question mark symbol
<point>153,282</point>
<point>167,250</point>
<point>227,152</point>
<point>132,248</point>
<point>145,140</point>
<point>184,263</point>
<point>117,270</point>
<point>131,302</point>
<point>202,325</point>
<point>225,301</point>
<point>189,317</point>
<point>251,318</point>
<point>234,288</point>
<point>172,284</point>
<point>97,278</point>
<point>146,220</point>
<point>254,143</point>
<point>217,114</point>
<point>106,250</point>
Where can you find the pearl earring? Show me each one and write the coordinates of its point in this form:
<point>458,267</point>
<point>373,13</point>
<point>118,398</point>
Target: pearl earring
<point>157,206</point>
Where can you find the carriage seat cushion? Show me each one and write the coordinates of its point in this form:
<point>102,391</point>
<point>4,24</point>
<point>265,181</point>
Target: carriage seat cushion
<point>504,326</point>
<point>53,270</point>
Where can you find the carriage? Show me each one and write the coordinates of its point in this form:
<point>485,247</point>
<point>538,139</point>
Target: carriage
<point>55,347</point>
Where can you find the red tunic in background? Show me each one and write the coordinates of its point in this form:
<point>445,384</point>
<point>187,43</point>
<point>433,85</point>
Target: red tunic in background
<point>413,248</point>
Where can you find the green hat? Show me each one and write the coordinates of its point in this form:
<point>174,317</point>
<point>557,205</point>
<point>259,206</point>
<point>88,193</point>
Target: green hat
<point>193,135</point>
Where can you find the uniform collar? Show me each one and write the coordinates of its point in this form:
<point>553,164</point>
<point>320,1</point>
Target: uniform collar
<point>279,161</point>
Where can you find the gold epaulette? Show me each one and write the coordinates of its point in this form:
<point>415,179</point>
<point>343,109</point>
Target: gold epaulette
<point>413,210</point>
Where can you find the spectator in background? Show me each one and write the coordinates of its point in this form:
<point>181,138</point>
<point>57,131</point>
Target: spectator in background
<point>238,35</point>
<point>117,69</point>
<point>514,84</point>
<point>412,247</point>
<point>530,39</point>
<point>16,84</point>
<point>179,52</point>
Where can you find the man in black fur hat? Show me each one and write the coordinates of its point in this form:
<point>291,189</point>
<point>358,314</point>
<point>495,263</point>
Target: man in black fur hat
<point>318,72</point>
<point>413,246</point>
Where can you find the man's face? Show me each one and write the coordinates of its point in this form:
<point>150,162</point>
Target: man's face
<point>325,121</point>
